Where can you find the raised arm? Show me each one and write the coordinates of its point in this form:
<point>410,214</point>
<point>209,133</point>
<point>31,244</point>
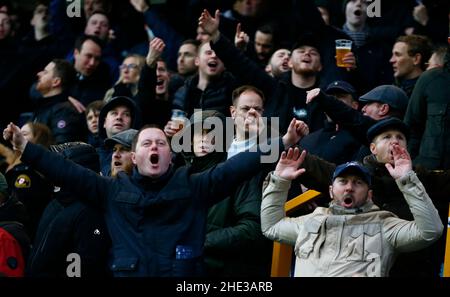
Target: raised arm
<point>242,67</point>
<point>219,182</point>
<point>63,172</point>
<point>162,29</point>
<point>147,80</point>
<point>274,223</point>
<point>427,226</point>
<point>342,114</point>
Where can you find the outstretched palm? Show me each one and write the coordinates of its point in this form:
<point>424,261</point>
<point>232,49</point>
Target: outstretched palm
<point>402,162</point>
<point>208,23</point>
<point>288,164</point>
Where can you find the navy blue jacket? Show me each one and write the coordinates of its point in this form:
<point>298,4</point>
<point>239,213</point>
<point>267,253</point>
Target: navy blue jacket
<point>148,219</point>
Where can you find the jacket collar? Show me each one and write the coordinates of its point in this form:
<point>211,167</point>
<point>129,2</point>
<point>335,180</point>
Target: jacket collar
<point>148,183</point>
<point>339,210</point>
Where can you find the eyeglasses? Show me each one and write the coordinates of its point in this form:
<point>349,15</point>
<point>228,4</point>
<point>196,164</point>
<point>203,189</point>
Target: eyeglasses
<point>129,66</point>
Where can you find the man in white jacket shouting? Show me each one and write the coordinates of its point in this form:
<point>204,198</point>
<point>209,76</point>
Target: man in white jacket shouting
<point>352,237</point>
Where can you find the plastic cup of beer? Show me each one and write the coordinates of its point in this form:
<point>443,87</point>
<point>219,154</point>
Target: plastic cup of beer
<point>343,46</point>
<point>178,119</point>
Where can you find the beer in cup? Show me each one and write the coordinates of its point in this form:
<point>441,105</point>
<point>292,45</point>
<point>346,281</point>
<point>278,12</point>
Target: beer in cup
<point>178,119</point>
<point>343,46</point>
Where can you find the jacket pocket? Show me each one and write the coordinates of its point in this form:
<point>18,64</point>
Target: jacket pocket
<point>364,243</point>
<point>307,238</point>
<point>125,264</point>
<point>127,204</point>
<point>437,121</point>
<point>436,118</point>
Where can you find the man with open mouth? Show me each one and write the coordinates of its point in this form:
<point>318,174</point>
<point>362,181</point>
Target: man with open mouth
<point>384,137</point>
<point>352,237</point>
<point>157,215</point>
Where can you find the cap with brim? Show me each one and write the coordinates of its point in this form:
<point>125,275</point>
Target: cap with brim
<point>114,102</point>
<point>386,125</point>
<point>340,86</point>
<point>206,116</point>
<point>124,138</point>
<point>389,94</point>
<point>353,168</point>
<point>306,40</point>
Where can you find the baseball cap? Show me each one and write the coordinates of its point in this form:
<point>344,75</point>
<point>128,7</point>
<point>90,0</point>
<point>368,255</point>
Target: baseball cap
<point>354,168</point>
<point>124,138</point>
<point>389,94</point>
<point>114,102</point>
<point>391,123</point>
<point>306,40</point>
<point>206,117</point>
<point>340,86</point>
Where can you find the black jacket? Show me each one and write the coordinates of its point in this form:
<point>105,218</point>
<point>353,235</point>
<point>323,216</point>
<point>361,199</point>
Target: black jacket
<point>428,116</point>
<point>69,226</point>
<point>334,146</point>
<point>216,96</point>
<point>33,190</point>
<point>62,118</point>
<point>93,87</point>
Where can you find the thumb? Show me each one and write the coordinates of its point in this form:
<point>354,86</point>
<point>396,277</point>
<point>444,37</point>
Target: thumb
<point>217,14</point>
<point>389,168</point>
<point>14,128</point>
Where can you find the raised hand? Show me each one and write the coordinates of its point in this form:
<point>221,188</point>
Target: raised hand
<point>420,14</point>
<point>155,50</point>
<point>288,164</point>
<point>296,131</point>
<point>12,133</point>
<point>241,38</point>
<point>310,95</point>
<point>402,162</point>
<point>210,24</point>
<point>140,5</point>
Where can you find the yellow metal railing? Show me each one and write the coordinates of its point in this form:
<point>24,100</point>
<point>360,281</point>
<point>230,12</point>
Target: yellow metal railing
<point>447,249</point>
<point>282,253</point>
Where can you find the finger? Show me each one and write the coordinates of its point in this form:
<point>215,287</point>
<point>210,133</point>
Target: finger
<point>283,156</point>
<point>349,55</point>
<point>14,128</point>
<point>389,168</point>
<point>292,124</point>
<point>302,157</point>
<point>238,29</point>
<point>217,14</point>
<point>296,154</point>
<point>290,153</point>
<point>299,172</point>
